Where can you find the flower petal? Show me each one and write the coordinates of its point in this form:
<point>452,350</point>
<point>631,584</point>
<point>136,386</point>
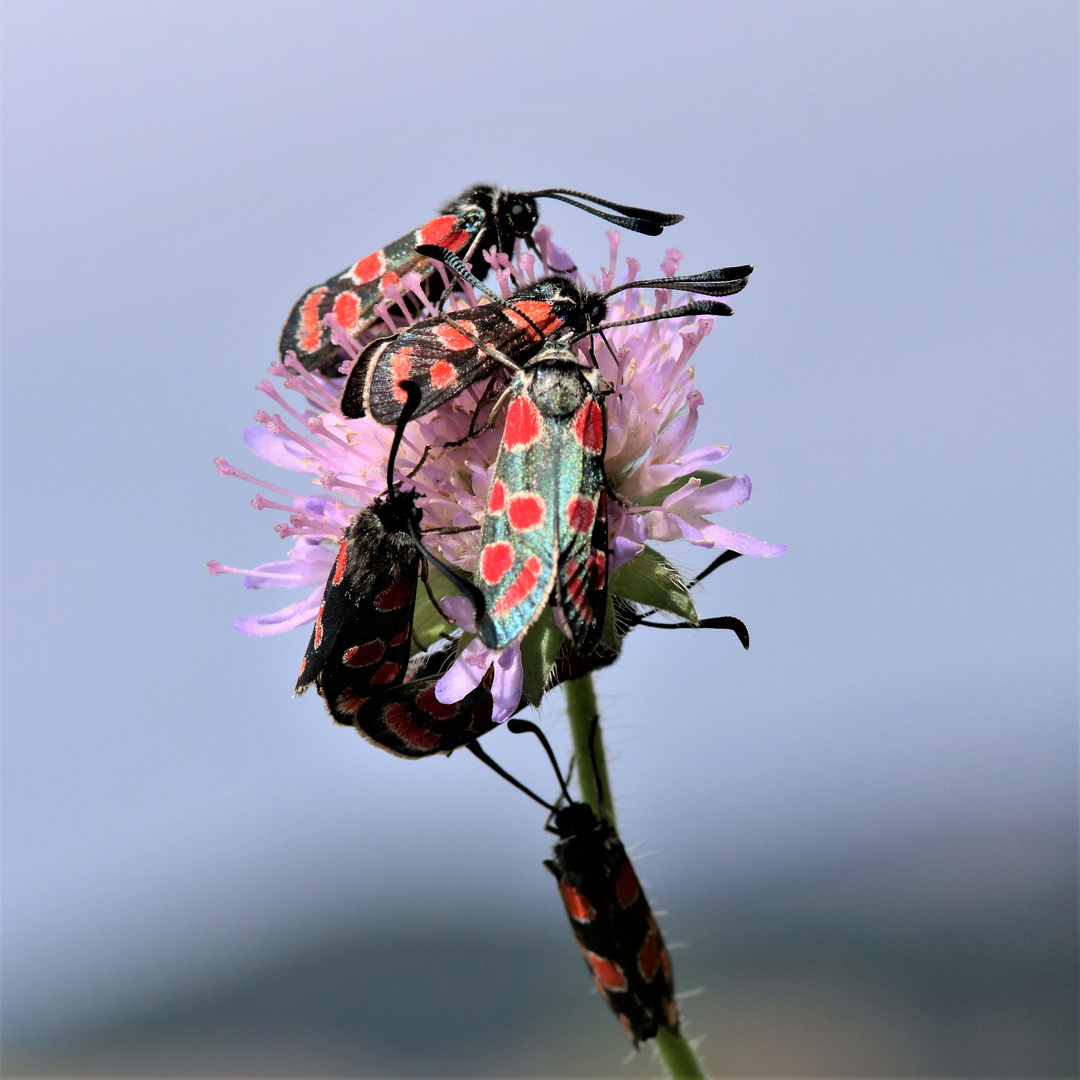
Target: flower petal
<point>278,622</point>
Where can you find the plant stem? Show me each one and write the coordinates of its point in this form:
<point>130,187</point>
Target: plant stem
<point>582,710</point>
<point>583,713</point>
<point>678,1056</point>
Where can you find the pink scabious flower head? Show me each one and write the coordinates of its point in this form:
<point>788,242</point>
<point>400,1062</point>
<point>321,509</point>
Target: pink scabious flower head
<point>663,489</point>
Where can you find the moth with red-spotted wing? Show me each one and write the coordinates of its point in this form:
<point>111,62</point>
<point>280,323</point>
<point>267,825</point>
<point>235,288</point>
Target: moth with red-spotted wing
<point>479,218</point>
<point>358,654</point>
<point>544,536</point>
<point>611,919</point>
<point>448,352</point>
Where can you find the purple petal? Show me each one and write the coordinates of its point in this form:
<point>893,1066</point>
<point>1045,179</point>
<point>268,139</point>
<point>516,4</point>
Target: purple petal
<point>461,611</point>
<point>506,687</point>
<point>278,451</point>
<point>278,622</point>
<point>693,499</point>
<point>469,668</point>
<point>623,549</point>
<point>717,536</point>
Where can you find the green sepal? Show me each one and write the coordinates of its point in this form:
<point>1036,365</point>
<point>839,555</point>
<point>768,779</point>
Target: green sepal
<point>655,498</point>
<point>649,579</point>
<point>609,638</point>
<point>428,623</point>
<point>539,647</point>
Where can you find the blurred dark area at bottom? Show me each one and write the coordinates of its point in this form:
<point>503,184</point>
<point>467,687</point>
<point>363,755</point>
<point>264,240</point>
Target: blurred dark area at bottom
<point>947,956</point>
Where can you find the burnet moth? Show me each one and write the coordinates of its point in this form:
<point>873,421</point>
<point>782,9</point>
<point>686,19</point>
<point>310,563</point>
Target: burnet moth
<point>544,535</point>
<point>479,218</point>
<point>446,353</point>
<point>614,926</point>
<point>358,654</point>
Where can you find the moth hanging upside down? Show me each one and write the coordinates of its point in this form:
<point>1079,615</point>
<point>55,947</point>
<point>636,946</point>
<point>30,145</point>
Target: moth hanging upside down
<point>479,218</point>
<point>609,914</point>
<point>358,654</point>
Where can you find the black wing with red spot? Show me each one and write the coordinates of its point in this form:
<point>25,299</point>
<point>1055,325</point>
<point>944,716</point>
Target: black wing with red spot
<point>351,296</point>
<point>364,624</point>
<point>613,924</point>
<point>442,355</point>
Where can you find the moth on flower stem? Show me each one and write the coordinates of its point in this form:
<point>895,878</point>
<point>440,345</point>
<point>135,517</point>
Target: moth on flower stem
<point>479,218</point>
<point>358,654</point>
<point>614,926</point>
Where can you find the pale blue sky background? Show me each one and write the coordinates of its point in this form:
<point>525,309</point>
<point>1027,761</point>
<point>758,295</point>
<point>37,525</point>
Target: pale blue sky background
<point>899,381</point>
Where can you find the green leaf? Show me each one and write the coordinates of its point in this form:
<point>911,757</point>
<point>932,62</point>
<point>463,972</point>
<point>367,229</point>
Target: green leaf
<point>428,624</point>
<point>655,498</point>
<point>649,579</point>
<point>539,648</point>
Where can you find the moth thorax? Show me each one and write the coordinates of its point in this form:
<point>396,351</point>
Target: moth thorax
<point>575,819</point>
<point>558,388</point>
<point>397,512</point>
<point>517,215</point>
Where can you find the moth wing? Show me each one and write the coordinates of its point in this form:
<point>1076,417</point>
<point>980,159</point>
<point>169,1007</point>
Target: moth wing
<point>582,530</point>
<point>515,568</point>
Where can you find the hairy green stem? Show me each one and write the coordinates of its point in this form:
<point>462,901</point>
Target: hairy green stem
<point>583,713</point>
<point>678,1056</point>
<point>591,765</point>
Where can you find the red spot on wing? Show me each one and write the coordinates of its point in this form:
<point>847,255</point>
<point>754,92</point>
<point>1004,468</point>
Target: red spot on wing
<point>386,674</point>
<point>400,639</point>
<point>608,974</point>
<point>522,585</point>
<point>580,513</point>
<point>436,230</point>
<point>347,309</point>
<point>452,338</point>
<point>400,370</point>
<point>574,586</point>
<point>525,511</point>
<point>368,268</point>
<point>350,702</point>
<point>396,595</point>
<point>364,655</point>
<point>318,635</point>
<point>442,374</point>
<point>310,332</point>
<point>434,707</point>
<point>396,717</point>
<point>496,497</point>
<point>589,427</point>
<point>597,568</point>
<point>627,887</point>
<point>340,562</point>
<point>648,957</point>
<point>577,905</point>
<point>495,560</point>
<point>523,422</point>
<point>532,315</point>
<point>390,279</point>
<point>303,664</point>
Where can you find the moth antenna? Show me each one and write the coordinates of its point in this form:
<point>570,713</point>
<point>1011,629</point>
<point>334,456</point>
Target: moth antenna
<point>695,307</point>
<point>452,262</point>
<point>718,622</point>
<point>519,727</point>
<point>635,218</point>
<point>464,586</point>
<point>723,282</point>
<point>506,776</point>
<point>601,802</point>
<point>412,400</point>
<point>724,557</point>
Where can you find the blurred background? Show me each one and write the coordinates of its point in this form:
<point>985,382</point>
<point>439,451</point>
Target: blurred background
<point>863,831</point>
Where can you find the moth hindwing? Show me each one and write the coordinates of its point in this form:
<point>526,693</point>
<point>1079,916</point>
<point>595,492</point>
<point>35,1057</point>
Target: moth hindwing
<point>544,535</point>
<point>479,218</point>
